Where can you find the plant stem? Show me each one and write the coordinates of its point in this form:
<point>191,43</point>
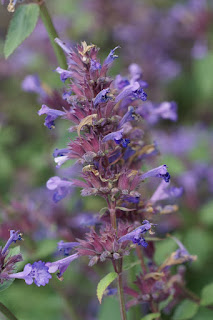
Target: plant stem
<point>121,292</point>
<point>45,16</point>
<point>140,256</point>
<point>7,312</point>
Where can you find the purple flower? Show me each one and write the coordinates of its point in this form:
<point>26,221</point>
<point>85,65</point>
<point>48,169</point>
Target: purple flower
<point>37,272</point>
<point>110,291</point>
<point>160,172</point>
<point>60,152</point>
<point>94,65</point>
<point>135,71</point>
<point>163,192</point>
<point>128,91</point>
<point>102,97</point>
<point>152,113</point>
<point>136,236</point>
<point>110,58</point>
<point>32,83</point>
<point>167,110</point>
<point>64,74</point>
<point>127,117</point>
<point>60,160</point>
<point>181,252</point>
<point>117,135</point>
<point>61,265</point>
<point>14,236</point>
<point>66,247</point>
<point>120,82</point>
<point>61,187</point>
<point>52,114</point>
<point>63,46</point>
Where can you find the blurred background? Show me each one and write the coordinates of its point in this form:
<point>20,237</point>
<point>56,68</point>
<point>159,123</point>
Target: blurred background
<point>172,41</point>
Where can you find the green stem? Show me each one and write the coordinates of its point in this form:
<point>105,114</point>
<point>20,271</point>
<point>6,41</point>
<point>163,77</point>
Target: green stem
<point>121,292</point>
<point>45,16</point>
<point>7,312</point>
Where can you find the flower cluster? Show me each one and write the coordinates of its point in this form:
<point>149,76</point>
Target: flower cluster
<point>112,144</point>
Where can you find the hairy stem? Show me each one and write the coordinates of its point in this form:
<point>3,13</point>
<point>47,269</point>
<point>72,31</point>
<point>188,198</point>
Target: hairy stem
<point>121,292</point>
<point>7,312</point>
<point>45,16</point>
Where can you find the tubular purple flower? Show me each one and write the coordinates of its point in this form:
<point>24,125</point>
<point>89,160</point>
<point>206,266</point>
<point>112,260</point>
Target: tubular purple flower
<point>52,114</point>
<point>61,265</point>
<point>37,272</point>
<point>110,58</point>
<point>14,236</point>
<point>136,236</point>
<point>102,97</point>
<point>163,192</point>
<point>117,135</point>
<point>61,187</point>
<point>181,252</point>
<point>94,65</point>
<point>167,110</point>
<point>60,160</point>
<point>32,83</point>
<point>120,82</point>
<point>160,172</point>
<point>64,74</point>
<point>127,91</point>
<point>135,71</point>
<point>63,46</point>
<point>66,247</point>
<point>60,152</point>
<point>127,117</point>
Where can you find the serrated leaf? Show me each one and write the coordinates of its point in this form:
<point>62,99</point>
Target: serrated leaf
<point>207,295</point>
<point>21,26</point>
<point>185,310</point>
<point>151,316</point>
<point>104,283</point>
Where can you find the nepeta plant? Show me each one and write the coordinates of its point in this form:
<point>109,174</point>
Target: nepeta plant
<point>113,148</point>
<point>112,145</point>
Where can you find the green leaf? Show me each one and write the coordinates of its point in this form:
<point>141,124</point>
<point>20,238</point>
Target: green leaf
<point>151,316</point>
<point>124,209</point>
<point>206,213</point>
<point>103,211</point>
<point>207,295</point>
<point>14,251</point>
<point>21,26</point>
<point>204,314</point>
<point>6,284</point>
<point>104,283</point>
<point>186,310</point>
